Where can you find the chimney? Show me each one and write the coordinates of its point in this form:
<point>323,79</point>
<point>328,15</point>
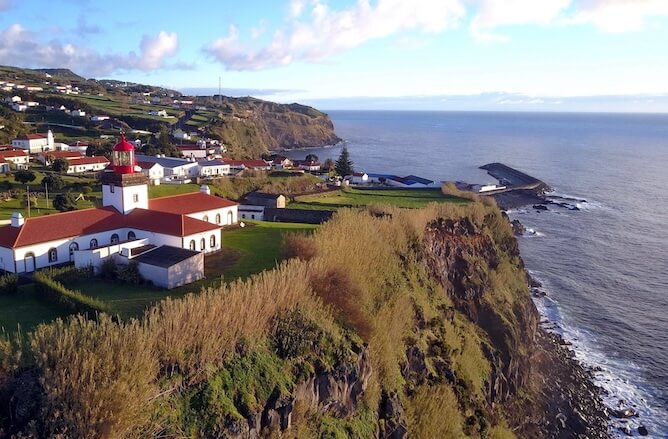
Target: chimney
<point>18,220</point>
<point>203,189</point>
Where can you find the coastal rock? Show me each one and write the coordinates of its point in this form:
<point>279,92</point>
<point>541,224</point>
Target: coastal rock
<point>642,431</point>
<point>540,207</point>
<point>518,227</point>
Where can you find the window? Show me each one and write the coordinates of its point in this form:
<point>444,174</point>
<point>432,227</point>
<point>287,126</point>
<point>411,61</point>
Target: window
<point>213,241</point>
<point>111,188</point>
<point>205,218</point>
<point>73,247</point>
<point>131,236</point>
<point>93,243</point>
<point>53,255</point>
<point>217,218</point>
<point>230,217</point>
<point>135,198</point>
<point>192,244</point>
<point>202,244</point>
<point>114,238</point>
<point>253,216</point>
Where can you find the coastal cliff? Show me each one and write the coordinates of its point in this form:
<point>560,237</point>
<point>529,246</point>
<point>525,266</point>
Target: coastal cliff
<point>251,127</point>
<point>385,323</point>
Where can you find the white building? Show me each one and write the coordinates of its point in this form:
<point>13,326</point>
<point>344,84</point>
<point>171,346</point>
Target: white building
<point>46,158</point>
<point>161,113</point>
<point>77,113</point>
<point>18,157</point>
<point>359,178</point>
<point>34,143</point>
<point>154,171</point>
<point>173,168</point>
<point>181,135</point>
<point>213,168</point>
<point>99,118</point>
<point>190,221</point>
<point>79,165</point>
<point>19,107</point>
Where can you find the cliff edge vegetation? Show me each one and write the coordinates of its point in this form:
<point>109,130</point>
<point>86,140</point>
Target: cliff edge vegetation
<point>385,323</point>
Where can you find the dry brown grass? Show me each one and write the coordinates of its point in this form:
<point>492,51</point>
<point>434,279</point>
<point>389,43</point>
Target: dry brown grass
<point>97,378</point>
<point>433,412</point>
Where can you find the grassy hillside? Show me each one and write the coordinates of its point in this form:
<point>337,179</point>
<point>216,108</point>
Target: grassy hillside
<point>249,127</point>
<point>380,322</point>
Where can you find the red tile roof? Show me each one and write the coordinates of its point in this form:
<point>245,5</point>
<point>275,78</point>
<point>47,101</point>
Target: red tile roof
<point>31,137</point>
<point>60,226</point>
<point>167,223</point>
<point>189,203</point>
<point>146,165</point>
<point>61,154</point>
<point>13,153</point>
<point>87,160</point>
<point>169,219</point>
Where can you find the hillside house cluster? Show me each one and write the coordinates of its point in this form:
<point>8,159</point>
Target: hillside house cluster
<point>167,237</point>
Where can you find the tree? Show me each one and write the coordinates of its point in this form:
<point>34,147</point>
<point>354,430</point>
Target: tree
<point>344,166</point>
<point>60,165</point>
<point>328,165</point>
<point>65,202</point>
<point>53,182</point>
<point>24,176</point>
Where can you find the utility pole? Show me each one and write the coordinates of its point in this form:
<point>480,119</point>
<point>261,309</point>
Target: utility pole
<point>46,188</point>
<point>28,198</point>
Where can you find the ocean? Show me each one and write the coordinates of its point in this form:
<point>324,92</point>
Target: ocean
<point>605,266</point>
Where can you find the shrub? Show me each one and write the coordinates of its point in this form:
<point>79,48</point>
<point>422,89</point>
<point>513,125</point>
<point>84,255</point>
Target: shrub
<point>73,300</point>
<point>108,269</point>
<point>297,245</point>
<point>129,274</point>
<point>97,377</point>
<point>9,283</point>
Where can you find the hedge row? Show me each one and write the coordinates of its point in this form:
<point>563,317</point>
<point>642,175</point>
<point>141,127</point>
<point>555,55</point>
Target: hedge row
<point>49,284</point>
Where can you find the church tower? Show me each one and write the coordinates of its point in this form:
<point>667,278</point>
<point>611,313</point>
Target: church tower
<point>123,188</point>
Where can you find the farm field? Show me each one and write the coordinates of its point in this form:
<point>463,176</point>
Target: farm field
<point>406,198</point>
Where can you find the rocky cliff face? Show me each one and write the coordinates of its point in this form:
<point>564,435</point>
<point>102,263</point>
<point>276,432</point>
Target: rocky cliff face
<point>251,127</point>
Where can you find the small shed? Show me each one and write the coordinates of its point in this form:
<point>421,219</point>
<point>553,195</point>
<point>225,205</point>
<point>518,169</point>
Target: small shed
<point>266,200</point>
<point>171,267</point>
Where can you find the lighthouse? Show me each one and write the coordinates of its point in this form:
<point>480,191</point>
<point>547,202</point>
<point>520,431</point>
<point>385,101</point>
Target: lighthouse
<point>122,187</point>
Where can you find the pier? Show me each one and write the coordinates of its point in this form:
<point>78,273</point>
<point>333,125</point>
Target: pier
<point>520,189</point>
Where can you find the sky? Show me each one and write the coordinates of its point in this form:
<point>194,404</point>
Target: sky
<point>415,54</point>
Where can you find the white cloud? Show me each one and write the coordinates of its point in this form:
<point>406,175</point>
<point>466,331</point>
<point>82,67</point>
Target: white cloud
<point>296,8</point>
<point>493,14</point>
<point>619,15</point>
<point>21,47</point>
<point>325,32</point>
<point>155,49</point>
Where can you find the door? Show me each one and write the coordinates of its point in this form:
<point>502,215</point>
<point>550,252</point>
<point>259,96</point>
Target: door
<point>29,261</point>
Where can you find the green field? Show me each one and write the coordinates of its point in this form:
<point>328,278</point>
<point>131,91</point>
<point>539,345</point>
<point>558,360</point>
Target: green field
<point>25,310</point>
<point>10,205</point>
<point>406,198</point>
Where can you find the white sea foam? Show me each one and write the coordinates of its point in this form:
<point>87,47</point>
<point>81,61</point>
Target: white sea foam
<point>617,378</point>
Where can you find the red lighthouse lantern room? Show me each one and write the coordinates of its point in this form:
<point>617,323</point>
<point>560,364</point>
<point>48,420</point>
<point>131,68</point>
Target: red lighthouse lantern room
<point>123,157</point>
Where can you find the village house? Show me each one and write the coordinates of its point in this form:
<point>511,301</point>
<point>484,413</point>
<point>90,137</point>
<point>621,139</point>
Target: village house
<point>237,166</point>
<point>197,151</point>
<point>213,168</point>
<point>359,178</point>
<point>127,226</point>
<point>77,113</point>
<point>35,143</point>
<point>18,157</point>
<point>173,168</point>
<point>265,199</point>
<point>154,171</point>
<point>98,118</point>
<point>78,165</point>
<point>160,113</point>
<point>281,162</point>
<point>310,165</point>
<point>47,158</point>
<point>180,134</point>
